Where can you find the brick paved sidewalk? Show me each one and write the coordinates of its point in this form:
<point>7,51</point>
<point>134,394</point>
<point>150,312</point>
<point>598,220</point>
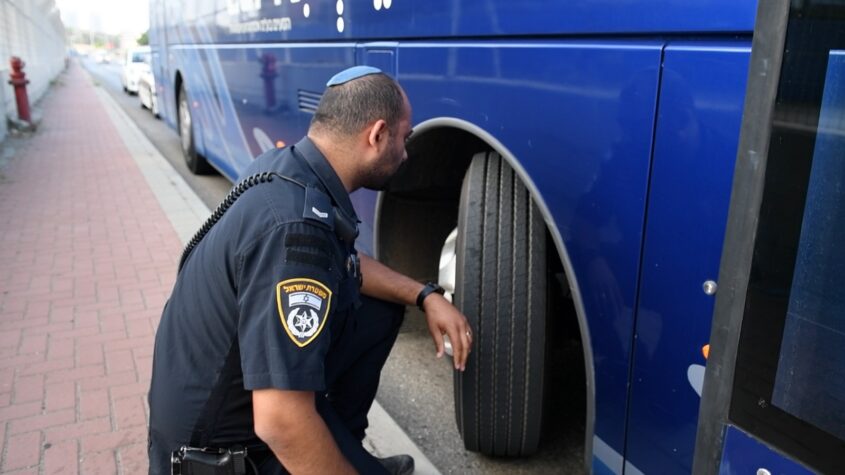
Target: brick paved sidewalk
<point>88,258</point>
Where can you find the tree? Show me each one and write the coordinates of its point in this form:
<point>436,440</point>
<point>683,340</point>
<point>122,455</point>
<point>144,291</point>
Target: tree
<point>144,39</point>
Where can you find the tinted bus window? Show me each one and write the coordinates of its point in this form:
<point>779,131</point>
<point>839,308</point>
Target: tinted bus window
<point>810,379</point>
<point>789,387</point>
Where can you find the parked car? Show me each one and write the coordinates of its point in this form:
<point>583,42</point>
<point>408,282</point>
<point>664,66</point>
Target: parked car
<point>147,91</point>
<point>137,61</point>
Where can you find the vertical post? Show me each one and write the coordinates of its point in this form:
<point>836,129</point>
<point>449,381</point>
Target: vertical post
<point>735,266</point>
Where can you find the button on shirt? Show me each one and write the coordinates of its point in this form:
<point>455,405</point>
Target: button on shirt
<point>256,305</point>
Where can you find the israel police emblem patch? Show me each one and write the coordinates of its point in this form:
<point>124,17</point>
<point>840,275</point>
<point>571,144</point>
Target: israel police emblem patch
<point>303,307</point>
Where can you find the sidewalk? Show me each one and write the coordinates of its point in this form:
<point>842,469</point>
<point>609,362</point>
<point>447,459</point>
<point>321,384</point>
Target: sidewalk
<point>92,221</point>
<point>88,259</point>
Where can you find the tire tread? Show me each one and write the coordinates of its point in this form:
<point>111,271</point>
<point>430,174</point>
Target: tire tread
<point>501,289</point>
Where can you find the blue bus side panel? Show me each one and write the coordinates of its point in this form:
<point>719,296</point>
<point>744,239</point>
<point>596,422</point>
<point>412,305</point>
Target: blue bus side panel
<point>742,454</point>
<point>251,98</point>
<point>276,88</point>
<point>701,97</point>
<point>216,130</point>
<point>579,118</point>
<point>397,19</point>
<point>229,22</point>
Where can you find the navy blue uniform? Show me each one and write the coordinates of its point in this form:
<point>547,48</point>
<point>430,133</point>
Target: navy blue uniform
<point>270,299</point>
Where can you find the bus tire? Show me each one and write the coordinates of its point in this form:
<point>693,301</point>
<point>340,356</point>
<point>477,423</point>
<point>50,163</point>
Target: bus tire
<point>196,163</point>
<point>501,288</point>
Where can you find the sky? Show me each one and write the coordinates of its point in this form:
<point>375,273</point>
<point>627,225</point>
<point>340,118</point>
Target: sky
<point>106,16</point>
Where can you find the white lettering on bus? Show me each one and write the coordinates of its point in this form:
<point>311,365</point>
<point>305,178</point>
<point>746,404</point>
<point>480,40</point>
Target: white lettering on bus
<point>264,25</point>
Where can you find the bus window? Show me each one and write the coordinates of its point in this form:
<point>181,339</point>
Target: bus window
<point>789,384</point>
<point>810,377</point>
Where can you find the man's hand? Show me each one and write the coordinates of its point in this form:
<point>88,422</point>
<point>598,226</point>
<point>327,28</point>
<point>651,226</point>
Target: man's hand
<point>444,319</point>
<point>288,422</point>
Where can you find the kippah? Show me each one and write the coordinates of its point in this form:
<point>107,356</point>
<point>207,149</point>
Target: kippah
<point>349,74</point>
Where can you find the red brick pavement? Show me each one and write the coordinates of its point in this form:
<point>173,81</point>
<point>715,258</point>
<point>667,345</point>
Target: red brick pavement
<point>88,258</point>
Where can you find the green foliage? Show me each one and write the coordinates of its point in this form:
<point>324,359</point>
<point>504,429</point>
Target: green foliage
<point>144,39</point>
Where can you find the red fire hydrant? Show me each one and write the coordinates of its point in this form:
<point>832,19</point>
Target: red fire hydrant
<point>19,81</point>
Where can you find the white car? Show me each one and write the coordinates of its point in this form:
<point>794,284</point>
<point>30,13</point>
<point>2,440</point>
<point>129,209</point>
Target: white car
<point>137,61</point>
<point>147,91</point>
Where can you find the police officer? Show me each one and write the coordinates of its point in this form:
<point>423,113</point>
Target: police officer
<point>277,330</point>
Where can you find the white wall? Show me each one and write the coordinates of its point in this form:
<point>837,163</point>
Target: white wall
<point>32,30</point>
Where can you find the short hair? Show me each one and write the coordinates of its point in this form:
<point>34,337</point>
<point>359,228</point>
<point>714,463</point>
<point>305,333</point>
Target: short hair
<point>347,108</point>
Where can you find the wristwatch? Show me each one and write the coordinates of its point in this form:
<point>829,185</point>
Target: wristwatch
<point>426,291</point>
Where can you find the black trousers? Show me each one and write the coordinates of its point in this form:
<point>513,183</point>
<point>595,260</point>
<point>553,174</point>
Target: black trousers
<point>353,368</point>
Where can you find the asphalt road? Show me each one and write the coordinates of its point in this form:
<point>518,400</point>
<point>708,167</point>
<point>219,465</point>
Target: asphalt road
<point>416,388</point>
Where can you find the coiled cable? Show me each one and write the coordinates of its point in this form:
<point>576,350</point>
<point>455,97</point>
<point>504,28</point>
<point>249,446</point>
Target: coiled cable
<point>228,201</point>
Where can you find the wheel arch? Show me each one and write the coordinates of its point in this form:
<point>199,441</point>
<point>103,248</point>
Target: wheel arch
<point>454,141</point>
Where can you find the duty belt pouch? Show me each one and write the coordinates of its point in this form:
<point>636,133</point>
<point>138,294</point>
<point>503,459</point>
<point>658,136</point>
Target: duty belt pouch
<point>206,461</point>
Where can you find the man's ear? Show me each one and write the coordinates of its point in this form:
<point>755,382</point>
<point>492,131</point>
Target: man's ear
<point>378,134</point>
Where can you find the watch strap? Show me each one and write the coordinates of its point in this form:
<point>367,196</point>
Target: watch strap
<point>429,288</point>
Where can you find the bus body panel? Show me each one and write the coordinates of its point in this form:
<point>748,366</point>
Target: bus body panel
<point>269,86</point>
<point>234,21</point>
<point>701,97</point>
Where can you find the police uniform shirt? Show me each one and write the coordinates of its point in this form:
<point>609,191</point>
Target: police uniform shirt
<point>256,304</point>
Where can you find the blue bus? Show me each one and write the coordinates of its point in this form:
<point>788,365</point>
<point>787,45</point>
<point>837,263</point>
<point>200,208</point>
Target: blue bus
<point>569,179</point>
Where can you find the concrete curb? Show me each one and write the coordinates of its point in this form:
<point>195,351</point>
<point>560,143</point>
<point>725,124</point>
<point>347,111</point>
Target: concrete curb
<point>187,212</point>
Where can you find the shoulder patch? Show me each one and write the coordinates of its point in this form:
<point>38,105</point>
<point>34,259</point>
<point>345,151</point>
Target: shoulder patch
<point>318,207</point>
<point>303,308</point>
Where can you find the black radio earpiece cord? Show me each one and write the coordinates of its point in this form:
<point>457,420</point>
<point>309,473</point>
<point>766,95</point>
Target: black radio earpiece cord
<point>345,228</point>
<point>228,201</point>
